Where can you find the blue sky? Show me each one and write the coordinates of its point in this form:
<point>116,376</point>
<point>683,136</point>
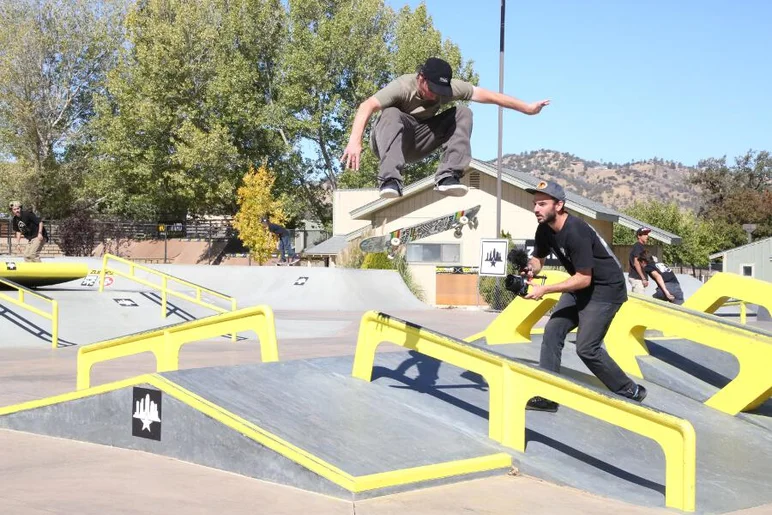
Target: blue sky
<point>628,80</point>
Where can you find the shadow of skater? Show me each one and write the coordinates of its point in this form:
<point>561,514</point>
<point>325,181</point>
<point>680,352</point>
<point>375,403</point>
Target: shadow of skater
<point>426,382</point>
<point>428,370</point>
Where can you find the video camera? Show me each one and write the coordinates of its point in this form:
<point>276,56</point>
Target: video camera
<point>518,284</point>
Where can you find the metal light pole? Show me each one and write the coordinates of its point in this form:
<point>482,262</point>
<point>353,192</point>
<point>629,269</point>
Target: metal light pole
<point>501,122</point>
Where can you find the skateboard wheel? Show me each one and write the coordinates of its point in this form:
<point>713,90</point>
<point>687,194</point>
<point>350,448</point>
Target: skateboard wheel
<point>390,256</point>
<point>395,241</point>
<point>457,233</point>
<point>463,220</point>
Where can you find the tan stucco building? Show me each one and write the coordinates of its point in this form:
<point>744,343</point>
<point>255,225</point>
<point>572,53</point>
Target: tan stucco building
<point>356,211</point>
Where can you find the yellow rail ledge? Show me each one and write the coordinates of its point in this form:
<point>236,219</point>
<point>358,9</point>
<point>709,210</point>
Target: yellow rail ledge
<point>511,384</point>
<point>724,286</point>
<point>165,343</point>
<point>751,346</point>
<point>164,286</point>
<point>21,301</point>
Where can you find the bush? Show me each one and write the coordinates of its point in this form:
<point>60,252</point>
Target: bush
<point>400,263</point>
<point>78,234</point>
<point>379,261</point>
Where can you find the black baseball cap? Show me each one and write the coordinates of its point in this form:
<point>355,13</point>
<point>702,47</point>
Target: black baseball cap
<point>642,230</point>
<point>552,189</point>
<point>438,74</point>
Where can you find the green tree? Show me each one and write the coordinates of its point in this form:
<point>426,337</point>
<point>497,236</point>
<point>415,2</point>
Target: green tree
<point>256,199</point>
<point>189,106</point>
<point>53,60</point>
<point>738,194</point>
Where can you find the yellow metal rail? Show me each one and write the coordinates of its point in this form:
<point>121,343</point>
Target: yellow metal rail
<point>166,281</point>
<point>751,346</point>
<point>512,384</point>
<point>20,300</point>
<point>165,343</point>
<point>724,286</point>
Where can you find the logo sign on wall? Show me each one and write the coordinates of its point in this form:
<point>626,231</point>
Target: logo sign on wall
<point>146,414</point>
<point>493,257</point>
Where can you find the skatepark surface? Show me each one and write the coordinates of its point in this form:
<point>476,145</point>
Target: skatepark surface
<point>414,412</point>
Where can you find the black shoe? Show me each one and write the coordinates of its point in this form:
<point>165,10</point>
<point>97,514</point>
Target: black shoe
<point>541,404</point>
<point>391,188</point>
<point>636,393</point>
<point>451,186</point>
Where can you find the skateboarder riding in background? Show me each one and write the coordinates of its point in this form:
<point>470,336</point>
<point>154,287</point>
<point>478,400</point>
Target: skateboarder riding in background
<point>28,224</point>
<point>285,246</point>
<point>410,128</point>
<point>589,298</point>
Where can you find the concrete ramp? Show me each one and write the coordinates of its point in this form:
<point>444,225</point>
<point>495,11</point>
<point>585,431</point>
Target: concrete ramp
<point>88,317</point>
<point>296,423</point>
<point>283,288</point>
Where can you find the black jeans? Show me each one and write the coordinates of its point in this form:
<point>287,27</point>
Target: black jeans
<point>593,319</point>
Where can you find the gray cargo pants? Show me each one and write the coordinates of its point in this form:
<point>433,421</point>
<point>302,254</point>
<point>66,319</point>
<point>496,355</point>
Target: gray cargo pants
<point>593,319</point>
<point>398,139</point>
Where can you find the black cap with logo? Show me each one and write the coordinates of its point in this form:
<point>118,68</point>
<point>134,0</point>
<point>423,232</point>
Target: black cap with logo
<point>438,74</point>
<point>552,189</point>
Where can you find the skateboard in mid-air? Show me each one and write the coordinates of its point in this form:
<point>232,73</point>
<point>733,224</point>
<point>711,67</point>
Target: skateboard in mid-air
<point>392,242</point>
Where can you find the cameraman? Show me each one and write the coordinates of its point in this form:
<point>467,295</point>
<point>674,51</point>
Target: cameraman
<point>590,297</point>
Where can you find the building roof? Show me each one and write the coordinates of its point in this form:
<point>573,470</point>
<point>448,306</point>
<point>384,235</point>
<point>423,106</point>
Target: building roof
<point>723,253</point>
<point>574,202</point>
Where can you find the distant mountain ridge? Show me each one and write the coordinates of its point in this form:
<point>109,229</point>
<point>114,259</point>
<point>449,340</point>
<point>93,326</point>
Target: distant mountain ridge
<point>613,185</point>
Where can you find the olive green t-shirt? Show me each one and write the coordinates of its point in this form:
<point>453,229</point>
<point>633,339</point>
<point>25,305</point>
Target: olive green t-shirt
<point>402,93</point>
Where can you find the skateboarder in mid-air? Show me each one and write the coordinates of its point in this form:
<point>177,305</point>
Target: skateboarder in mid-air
<point>410,128</point>
<point>285,246</point>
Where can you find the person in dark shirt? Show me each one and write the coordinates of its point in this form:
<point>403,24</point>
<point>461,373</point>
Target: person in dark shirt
<point>590,297</point>
<point>285,246</point>
<point>28,224</point>
<point>636,277</point>
<point>668,287</point>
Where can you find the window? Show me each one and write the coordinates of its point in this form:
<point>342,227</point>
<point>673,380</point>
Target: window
<point>434,253</point>
<point>474,180</point>
<point>746,270</point>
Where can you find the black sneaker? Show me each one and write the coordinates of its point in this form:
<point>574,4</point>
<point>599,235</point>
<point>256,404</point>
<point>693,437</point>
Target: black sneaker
<point>391,188</point>
<point>451,186</point>
<point>541,404</point>
<point>636,393</point>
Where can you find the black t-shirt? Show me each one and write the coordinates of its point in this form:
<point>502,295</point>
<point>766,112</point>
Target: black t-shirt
<point>634,253</point>
<point>667,274</point>
<point>578,246</point>
<point>278,230</point>
<point>28,224</point>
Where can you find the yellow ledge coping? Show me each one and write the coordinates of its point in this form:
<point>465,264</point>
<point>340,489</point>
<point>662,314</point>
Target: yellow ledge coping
<point>165,343</point>
<point>512,384</point>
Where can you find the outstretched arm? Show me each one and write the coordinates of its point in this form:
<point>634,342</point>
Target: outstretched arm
<point>353,150</point>
<point>486,96</point>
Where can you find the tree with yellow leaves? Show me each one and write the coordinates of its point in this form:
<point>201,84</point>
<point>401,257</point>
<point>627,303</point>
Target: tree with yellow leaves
<point>256,200</point>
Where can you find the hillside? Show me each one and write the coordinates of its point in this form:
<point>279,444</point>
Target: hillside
<point>613,185</point>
